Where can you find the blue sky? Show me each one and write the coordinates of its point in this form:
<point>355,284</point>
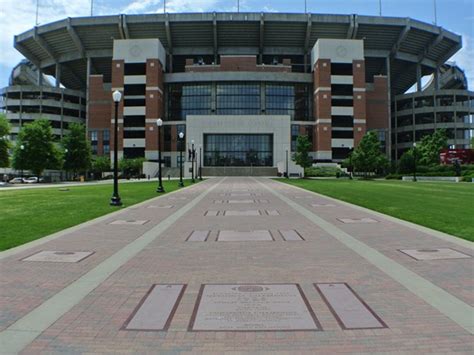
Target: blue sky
<point>17,16</point>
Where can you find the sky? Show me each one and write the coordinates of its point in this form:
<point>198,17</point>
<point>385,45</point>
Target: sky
<point>17,16</point>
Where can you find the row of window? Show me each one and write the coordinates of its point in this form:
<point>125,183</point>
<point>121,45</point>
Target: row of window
<point>429,118</point>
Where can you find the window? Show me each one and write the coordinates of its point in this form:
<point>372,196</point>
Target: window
<point>134,121</point>
<point>135,69</point>
<point>188,99</point>
<point>238,150</point>
<point>341,90</point>
<point>93,137</point>
<point>288,99</point>
<point>106,141</point>
<point>295,132</point>
<point>342,121</point>
<point>238,99</point>
<point>134,89</point>
<point>342,134</point>
<point>341,68</point>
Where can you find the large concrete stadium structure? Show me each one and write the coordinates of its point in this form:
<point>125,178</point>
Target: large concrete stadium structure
<point>243,86</point>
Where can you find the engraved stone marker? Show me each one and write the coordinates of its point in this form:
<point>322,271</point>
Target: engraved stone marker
<point>241,201</point>
<point>164,206</point>
<point>156,309</point>
<point>211,213</point>
<point>273,213</point>
<point>242,213</point>
<point>322,205</point>
<point>357,220</point>
<point>435,254</point>
<point>291,235</point>
<point>59,256</point>
<point>198,236</point>
<point>132,221</point>
<point>252,308</point>
<point>350,310</point>
<point>236,236</point>
<point>176,198</point>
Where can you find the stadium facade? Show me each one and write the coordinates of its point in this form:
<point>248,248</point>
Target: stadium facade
<point>243,86</point>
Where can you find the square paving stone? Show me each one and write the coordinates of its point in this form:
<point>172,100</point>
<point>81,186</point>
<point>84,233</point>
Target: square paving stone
<point>263,307</point>
<point>198,236</point>
<point>250,236</point>
<point>242,213</point>
<point>349,309</point>
<point>358,220</point>
<point>156,310</point>
<point>56,256</point>
<point>434,254</point>
<point>290,235</point>
<point>130,221</point>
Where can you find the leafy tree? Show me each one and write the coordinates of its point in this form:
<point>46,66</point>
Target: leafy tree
<point>368,156</point>
<point>302,157</point>
<point>131,167</point>
<point>39,151</point>
<point>77,149</point>
<point>472,142</point>
<point>406,163</point>
<point>430,146</point>
<point>101,164</point>
<point>4,143</point>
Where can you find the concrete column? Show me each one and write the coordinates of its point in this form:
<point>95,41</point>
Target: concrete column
<point>88,73</point>
<point>40,77</point>
<point>436,78</point>
<point>418,77</point>
<point>58,75</point>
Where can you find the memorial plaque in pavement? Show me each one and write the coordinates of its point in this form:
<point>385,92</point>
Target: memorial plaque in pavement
<point>163,206</point>
<point>242,213</point>
<point>358,220</point>
<point>273,213</point>
<point>130,221</point>
<point>56,256</point>
<point>241,201</point>
<point>247,236</point>
<point>198,236</point>
<point>291,235</point>
<point>350,310</point>
<point>177,198</point>
<point>435,254</point>
<point>253,308</point>
<point>322,205</point>
<point>240,194</point>
<point>156,309</point>
<point>211,213</point>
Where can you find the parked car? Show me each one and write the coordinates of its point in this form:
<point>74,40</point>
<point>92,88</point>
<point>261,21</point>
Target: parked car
<point>31,180</point>
<point>17,180</point>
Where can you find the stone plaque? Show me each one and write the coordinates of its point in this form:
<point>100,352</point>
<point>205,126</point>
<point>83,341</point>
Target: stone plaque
<point>252,308</point>
<point>164,206</point>
<point>241,201</point>
<point>273,213</point>
<point>240,194</point>
<point>156,309</point>
<point>130,221</point>
<point>357,220</point>
<point>242,213</point>
<point>198,236</point>
<point>211,213</point>
<point>322,205</point>
<point>435,254</point>
<point>250,236</point>
<point>59,256</point>
<point>350,310</point>
<point>291,235</point>
<point>176,198</point>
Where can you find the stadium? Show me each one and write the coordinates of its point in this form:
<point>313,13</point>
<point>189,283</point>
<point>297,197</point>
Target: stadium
<point>243,86</point>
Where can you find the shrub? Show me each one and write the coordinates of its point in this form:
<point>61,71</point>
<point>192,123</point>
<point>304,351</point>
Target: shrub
<point>322,171</point>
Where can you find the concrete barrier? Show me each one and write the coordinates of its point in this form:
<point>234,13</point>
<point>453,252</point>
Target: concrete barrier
<point>433,178</point>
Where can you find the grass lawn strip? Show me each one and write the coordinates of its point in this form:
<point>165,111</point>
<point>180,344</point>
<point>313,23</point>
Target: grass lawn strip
<point>29,214</point>
<point>446,207</point>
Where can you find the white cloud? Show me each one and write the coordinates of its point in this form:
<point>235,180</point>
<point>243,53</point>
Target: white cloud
<point>464,57</point>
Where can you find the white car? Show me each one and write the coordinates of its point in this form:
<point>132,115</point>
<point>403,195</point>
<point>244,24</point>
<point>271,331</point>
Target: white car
<point>31,180</point>
<point>17,180</point>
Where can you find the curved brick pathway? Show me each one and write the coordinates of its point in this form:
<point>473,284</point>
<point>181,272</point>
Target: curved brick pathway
<point>86,306</point>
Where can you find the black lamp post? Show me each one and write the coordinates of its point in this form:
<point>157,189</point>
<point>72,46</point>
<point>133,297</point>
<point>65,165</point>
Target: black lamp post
<point>351,150</point>
<point>159,123</point>
<point>414,161</point>
<point>22,147</point>
<point>200,163</point>
<point>115,200</point>
<point>181,144</point>
<point>193,155</point>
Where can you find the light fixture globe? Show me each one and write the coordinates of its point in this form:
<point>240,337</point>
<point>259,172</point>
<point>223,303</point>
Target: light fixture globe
<point>159,122</point>
<point>192,141</point>
<point>117,96</point>
<point>414,144</point>
<point>181,135</point>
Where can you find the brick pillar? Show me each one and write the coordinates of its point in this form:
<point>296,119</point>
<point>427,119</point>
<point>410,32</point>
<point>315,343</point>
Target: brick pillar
<point>360,97</point>
<point>154,102</point>
<point>322,106</point>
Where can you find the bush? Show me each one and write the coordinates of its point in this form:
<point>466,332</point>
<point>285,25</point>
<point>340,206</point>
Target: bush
<point>322,171</point>
<point>394,176</point>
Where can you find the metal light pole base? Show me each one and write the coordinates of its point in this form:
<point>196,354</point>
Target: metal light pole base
<point>181,184</point>
<point>115,201</point>
<point>160,189</point>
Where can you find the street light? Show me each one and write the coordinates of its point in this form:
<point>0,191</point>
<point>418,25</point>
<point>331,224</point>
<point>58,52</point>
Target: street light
<point>115,200</point>
<point>181,137</point>
<point>351,149</point>
<point>65,153</point>
<point>22,147</point>
<point>159,123</point>
<point>414,161</point>
<point>193,154</point>
<point>200,163</point>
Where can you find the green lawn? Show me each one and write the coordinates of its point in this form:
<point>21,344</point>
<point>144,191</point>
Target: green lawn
<point>30,214</point>
<point>448,207</point>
